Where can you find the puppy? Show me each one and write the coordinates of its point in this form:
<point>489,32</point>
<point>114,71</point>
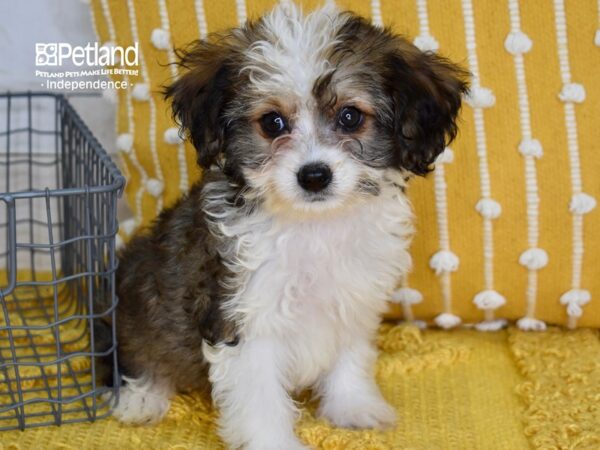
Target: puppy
<point>271,275</point>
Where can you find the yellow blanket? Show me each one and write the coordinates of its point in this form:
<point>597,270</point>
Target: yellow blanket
<point>453,390</point>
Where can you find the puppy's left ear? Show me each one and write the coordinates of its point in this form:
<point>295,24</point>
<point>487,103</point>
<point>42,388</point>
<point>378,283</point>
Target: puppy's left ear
<point>426,91</point>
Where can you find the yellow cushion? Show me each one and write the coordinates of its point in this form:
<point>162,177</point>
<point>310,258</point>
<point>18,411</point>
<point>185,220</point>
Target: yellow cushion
<point>453,390</point>
<point>522,103</point>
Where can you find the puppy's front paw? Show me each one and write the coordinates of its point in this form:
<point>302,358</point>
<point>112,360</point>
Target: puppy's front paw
<point>359,412</point>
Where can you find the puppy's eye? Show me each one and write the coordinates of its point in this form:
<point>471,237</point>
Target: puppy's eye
<point>350,118</point>
<point>273,124</point>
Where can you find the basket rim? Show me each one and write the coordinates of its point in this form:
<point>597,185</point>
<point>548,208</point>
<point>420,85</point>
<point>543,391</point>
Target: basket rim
<point>117,185</point>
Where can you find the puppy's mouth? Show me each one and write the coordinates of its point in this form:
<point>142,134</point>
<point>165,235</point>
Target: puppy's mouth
<point>317,197</point>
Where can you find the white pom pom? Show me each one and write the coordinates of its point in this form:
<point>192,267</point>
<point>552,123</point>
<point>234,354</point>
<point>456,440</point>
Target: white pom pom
<point>446,157</point>
<point>155,187</point>
<point>572,92</point>
<point>426,43</point>
<point>488,208</point>
<point>125,142</point>
<point>128,226</point>
<point>491,325</point>
<point>447,321</point>
<point>407,296</point>
<point>597,38</point>
<point>141,92</point>
<point>582,203</point>
<point>517,42</point>
<point>108,46</point>
<point>529,324</point>
<point>172,136</point>
<point>444,261</point>
<point>534,258</point>
<point>420,324</point>
<point>489,299</point>
<point>118,242</point>
<point>574,300</point>
<point>531,147</point>
<point>480,97</point>
<point>160,39</point>
<point>110,95</point>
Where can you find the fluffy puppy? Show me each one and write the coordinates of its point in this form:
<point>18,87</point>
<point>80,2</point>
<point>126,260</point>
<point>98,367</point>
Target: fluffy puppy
<point>272,274</point>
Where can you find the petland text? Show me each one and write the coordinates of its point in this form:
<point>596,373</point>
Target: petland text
<point>92,54</point>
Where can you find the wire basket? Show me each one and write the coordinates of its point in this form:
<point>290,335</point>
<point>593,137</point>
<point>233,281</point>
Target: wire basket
<point>58,202</point>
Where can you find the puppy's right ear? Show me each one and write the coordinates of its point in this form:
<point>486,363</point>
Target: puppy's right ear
<point>199,96</point>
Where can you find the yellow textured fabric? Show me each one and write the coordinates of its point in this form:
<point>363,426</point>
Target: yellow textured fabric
<point>453,390</point>
<point>513,49</point>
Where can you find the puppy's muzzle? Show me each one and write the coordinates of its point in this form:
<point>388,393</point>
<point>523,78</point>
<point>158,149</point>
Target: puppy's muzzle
<point>314,177</point>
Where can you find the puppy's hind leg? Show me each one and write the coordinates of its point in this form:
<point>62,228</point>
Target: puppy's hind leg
<point>143,401</point>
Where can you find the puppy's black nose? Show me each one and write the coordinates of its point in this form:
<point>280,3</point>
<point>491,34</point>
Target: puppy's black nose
<point>314,177</point>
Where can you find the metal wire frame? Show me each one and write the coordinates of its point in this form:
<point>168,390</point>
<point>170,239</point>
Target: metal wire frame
<point>59,264</point>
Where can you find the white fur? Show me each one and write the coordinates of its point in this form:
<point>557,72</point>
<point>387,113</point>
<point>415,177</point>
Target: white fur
<point>296,60</point>
<point>350,397</point>
<point>309,298</point>
<point>142,401</point>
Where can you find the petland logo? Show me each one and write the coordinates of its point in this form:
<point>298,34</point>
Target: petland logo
<point>92,55</point>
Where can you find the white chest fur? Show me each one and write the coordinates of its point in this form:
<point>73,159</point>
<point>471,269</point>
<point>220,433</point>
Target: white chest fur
<point>314,284</point>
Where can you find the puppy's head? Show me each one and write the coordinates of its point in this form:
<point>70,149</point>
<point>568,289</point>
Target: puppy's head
<point>313,113</point>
